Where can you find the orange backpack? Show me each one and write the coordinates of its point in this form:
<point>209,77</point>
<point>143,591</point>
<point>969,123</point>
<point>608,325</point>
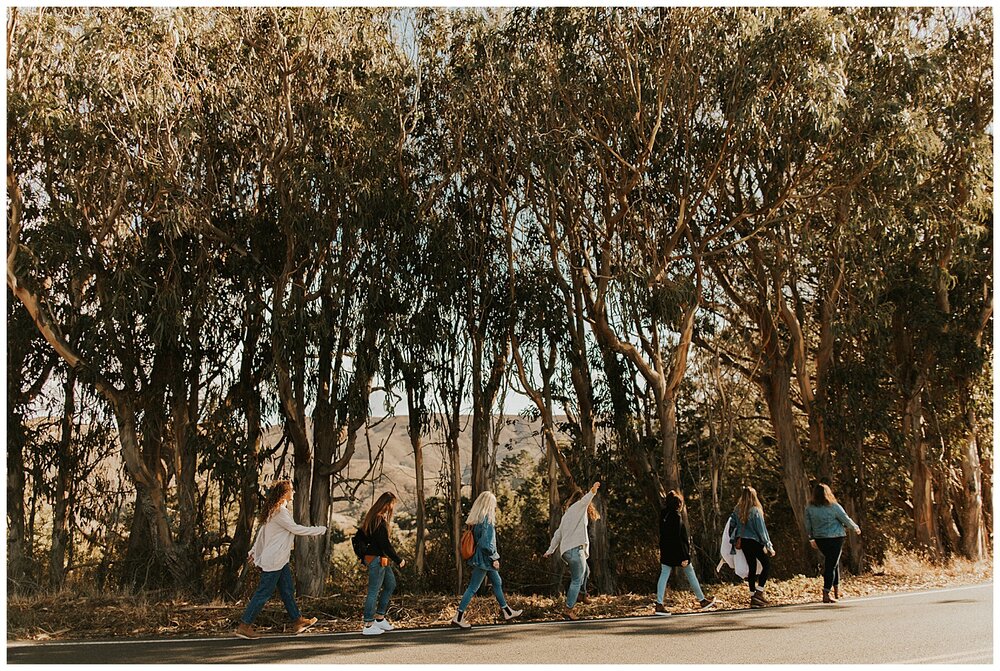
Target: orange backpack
<point>468,544</point>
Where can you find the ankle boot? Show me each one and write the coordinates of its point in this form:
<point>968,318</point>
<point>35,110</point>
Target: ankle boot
<point>827,598</point>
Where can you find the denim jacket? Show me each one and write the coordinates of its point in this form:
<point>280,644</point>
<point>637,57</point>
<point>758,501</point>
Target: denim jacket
<point>754,528</point>
<point>828,521</point>
<point>486,545</point>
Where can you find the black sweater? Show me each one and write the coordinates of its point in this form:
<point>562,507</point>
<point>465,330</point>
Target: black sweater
<point>379,545</point>
<point>674,544</point>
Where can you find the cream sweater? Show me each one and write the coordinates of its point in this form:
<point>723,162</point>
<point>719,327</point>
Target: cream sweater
<point>572,531</point>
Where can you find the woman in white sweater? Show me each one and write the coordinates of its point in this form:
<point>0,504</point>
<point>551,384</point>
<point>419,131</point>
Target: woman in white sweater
<point>573,543</point>
<point>270,552</point>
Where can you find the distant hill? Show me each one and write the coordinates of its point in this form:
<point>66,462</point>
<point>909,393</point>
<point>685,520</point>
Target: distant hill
<point>398,471</point>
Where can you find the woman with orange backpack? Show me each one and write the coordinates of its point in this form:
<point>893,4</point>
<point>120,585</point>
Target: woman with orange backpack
<point>484,560</point>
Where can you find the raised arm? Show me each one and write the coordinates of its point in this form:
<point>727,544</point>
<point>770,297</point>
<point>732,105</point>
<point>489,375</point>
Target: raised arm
<point>283,519</point>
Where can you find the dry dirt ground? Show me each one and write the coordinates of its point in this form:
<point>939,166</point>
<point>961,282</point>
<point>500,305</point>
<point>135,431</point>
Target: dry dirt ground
<point>68,616</point>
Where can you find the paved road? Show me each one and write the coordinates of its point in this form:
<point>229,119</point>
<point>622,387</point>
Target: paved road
<point>940,627</point>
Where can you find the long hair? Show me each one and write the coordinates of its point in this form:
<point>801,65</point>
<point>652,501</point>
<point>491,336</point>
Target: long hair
<point>273,499</point>
<point>381,511</point>
<point>823,495</point>
<point>674,501</point>
<point>748,500</point>
<point>591,510</point>
<point>485,508</point>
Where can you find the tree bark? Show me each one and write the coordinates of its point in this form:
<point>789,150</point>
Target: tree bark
<point>63,484</point>
<point>775,385</point>
<point>414,409</point>
<point>974,531</point>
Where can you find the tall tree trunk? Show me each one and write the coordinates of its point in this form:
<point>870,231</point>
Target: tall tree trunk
<point>922,497</point>
<point>775,386</point>
<point>63,484</point>
<point>973,528</point>
<point>853,488</point>
<point>666,410</point>
<point>414,410</point>
<point>249,399</point>
<point>19,560</point>
<point>556,564</point>
<point>455,471</point>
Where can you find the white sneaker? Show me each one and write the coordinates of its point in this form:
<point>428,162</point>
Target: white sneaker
<point>512,615</point>
<point>384,625</point>
<point>372,630</point>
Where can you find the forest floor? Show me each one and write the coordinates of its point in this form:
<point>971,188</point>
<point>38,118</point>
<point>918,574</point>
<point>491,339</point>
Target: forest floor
<point>72,616</point>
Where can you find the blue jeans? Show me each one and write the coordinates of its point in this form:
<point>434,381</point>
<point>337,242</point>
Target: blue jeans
<point>692,581</point>
<point>478,575</point>
<point>282,579</point>
<point>379,578</point>
<point>578,572</point>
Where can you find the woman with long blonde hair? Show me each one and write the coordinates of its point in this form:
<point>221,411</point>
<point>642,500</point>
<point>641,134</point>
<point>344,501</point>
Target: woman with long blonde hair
<point>573,543</point>
<point>381,579</point>
<point>485,560</point>
<point>749,533</point>
<point>270,552</point>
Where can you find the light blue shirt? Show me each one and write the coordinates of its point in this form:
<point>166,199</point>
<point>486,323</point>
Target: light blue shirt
<point>828,522</point>
<point>754,528</point>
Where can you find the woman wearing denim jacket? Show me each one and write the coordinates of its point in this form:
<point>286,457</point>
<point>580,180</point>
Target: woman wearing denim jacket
<point>381,579</point>
<point>573,543</point>
<point>485,559</point>
<point>747,527</point>
<point>827,523</point>
<point>675,551</point>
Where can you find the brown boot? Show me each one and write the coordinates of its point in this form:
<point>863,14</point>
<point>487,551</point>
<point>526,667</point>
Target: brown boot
<point>303,623</point>
<point>568,614</point>
<point>827,598</point>
<point>246,631</point>
<point>836,591</point>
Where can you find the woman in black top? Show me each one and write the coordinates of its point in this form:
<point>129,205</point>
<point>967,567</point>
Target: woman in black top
<point>675,550</point>
<point>381,579</point>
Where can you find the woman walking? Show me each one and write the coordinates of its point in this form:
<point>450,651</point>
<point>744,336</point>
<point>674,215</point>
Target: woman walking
<point>270,552</point>
<point>379,552</point>
<point>485,559</point>
<point>574,544</point>
<point>749,533</point>
<point>675,551</point>
<point>827,523</point>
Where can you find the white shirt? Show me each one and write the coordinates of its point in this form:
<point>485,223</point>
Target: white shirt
<point>274,540</point>
<point>572,531</point>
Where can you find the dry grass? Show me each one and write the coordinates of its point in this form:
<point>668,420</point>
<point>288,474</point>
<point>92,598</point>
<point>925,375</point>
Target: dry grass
<point>85,616</point>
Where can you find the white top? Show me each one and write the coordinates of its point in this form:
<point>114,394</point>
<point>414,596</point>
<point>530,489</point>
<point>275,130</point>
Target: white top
<point>274,540</point>
<point>572,531</point>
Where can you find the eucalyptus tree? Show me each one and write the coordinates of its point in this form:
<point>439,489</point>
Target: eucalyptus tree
<point>102,207</point>
<point>648,132</point>
<point>324,119</point>
<point>30,363</point>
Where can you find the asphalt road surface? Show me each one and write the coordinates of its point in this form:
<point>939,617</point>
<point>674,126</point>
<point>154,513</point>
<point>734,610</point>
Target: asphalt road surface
<point>945,626</point>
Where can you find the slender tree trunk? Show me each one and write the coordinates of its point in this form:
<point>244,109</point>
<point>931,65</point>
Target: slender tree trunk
<point>63,483</point>
<point>455,470</point>
<point>19,561</point>
<point>413,408</point>
<point>249,485</point>
<point>556,564</point>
